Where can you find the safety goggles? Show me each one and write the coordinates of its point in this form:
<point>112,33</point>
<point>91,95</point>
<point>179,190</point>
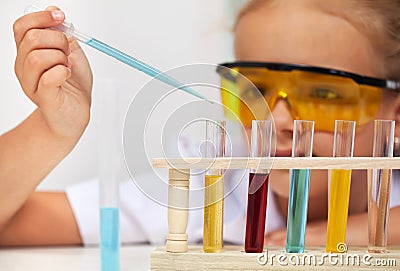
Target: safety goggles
<point>250,89</point>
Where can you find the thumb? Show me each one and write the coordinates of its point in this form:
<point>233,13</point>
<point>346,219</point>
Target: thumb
<point>48,91</point>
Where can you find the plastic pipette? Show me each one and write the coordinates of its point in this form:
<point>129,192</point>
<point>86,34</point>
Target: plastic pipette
<point>70,31</point>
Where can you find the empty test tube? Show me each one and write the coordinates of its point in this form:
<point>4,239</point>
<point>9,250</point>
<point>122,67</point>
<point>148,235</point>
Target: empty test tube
<point>339,186</point>
<point>214,189</point>
<point>379,188</point>
<point>303,134</point>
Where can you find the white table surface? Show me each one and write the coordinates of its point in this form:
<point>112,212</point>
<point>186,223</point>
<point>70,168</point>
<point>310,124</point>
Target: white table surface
<point>71,258</point>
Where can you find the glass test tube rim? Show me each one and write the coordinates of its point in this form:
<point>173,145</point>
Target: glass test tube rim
<point>381,124</point>
<point>215,130</point>
<point>295,152</point>
<point>265,149</point>
<point>350,124</point>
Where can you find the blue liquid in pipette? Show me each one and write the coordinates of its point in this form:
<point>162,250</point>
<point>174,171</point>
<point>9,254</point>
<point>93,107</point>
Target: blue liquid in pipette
<point>297,210</point>
<point>141,66</point>
<point>109,239</point>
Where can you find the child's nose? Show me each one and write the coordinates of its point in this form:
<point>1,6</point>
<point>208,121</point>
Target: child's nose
<point>282,117</point>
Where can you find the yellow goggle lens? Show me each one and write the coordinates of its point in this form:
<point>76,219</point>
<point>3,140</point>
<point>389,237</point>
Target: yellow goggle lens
<point>323,98</point>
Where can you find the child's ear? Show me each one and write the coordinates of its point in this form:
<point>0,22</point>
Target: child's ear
<point>397,117</point>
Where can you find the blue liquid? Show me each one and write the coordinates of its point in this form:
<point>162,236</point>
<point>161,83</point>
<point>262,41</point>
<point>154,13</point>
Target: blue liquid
<point>141,66</point>
<point>297,210</point>
<point>109,239</point>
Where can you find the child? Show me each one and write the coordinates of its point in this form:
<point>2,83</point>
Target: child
<point>54,73</point>
<point>354,36</point>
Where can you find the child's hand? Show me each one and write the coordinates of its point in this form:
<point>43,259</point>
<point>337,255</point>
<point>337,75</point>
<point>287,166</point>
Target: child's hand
<point>315,235</point>
<point>53,72</point>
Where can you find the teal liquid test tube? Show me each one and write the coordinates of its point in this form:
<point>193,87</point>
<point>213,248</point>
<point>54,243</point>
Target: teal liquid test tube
<point>303,134</point>
<point>109,162</point>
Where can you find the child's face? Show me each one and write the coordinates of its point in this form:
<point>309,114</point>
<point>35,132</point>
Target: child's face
<point>289,35</point>
<point>303,35</point>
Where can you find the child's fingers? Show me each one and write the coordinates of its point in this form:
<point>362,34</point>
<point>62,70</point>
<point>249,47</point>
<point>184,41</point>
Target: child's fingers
<point>36,39</point>
<point>52,8</point>
<point>36,65</point>
<point>48,91</point>
<point>74,45</point>
<point>41,19</point>
<point>81,69</point>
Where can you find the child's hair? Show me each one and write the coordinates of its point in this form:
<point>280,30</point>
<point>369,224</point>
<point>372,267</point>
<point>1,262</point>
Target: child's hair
<point>379,20</point>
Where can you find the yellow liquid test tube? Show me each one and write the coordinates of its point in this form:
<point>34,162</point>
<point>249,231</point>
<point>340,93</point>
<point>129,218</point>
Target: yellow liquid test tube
<point>213,213</point>
<point>339,187</point>
<point>214,188</point>
<point>340,181</point>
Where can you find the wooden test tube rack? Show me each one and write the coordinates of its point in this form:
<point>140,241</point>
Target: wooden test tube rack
<point>177,255</point>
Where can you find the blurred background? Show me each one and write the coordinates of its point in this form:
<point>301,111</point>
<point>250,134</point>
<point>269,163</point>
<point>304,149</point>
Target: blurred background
<point>165,34</point>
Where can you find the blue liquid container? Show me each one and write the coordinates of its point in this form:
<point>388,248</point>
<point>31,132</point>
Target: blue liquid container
<point>297,210</point>
<point>109,238</point>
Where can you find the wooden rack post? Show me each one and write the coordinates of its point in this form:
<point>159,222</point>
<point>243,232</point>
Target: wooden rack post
<point>178,204</point>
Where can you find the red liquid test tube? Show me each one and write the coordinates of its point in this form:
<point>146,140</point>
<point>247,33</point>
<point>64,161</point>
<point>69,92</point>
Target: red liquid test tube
<point>258,187</point>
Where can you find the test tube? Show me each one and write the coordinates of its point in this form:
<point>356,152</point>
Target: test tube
<point>214,188</point>
<point>339,186</point>
<point>303,134</point>
<point>110,142</point>
<point>379,188</point>
<point>261,133</point>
